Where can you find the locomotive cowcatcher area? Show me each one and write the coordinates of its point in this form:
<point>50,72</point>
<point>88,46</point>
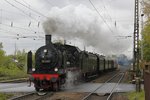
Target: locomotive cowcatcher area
<point>71,74</point>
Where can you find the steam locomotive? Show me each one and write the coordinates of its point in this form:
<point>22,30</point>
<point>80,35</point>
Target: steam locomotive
<point>54,60</point>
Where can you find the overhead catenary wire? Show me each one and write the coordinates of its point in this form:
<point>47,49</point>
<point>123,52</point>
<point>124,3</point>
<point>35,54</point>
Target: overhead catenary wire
<point>10,12</point>
<point>112,11</point>
<point>20,10</point>
<point>107,10</point>
<point>20,28</point>
<point>10,31</point>
<point>49,2</point>
<point>25,2</point>
<point>7,32</point>
<point>12,26</point>
<point>18,36</point>
<point>31,9</point>
<point>38,23</point>
<point>27,23</point>
<point>101,16</point>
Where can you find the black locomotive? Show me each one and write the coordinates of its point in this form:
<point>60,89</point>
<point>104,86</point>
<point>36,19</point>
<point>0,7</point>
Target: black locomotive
<point>54,61</point>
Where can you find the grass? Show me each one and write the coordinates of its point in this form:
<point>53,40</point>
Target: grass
<point>136,95</point>
<point>11,73</point>
<point>4,96</point>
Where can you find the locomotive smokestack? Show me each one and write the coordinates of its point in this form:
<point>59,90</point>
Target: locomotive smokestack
<point>48,39</point>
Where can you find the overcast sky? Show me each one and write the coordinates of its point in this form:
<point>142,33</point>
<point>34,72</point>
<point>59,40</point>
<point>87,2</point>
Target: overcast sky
<point>21,22</point>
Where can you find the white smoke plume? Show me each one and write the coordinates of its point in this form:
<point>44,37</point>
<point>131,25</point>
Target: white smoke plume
<point>73,79</point>
<point>85,24</point>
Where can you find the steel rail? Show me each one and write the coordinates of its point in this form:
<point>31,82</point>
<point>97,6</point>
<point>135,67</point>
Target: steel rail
<point>22,96</point>
<point>113,90</point>
<point>45,96</point>
<point>86,97</point>
<point>33,96</point>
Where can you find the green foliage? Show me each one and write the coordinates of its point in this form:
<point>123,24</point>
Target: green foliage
<point>2,54</point>
<point>5,96</point>
<point>146,41</point>
<point>20,59</point>
<point>146,32</point>
<point>12,66</point>
<point>12,72</point>
<point>1,46</point>
<point>136,95</point>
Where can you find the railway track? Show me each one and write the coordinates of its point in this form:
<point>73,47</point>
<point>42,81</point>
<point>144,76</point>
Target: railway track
<point>117,78</point>
<point>34,96</point>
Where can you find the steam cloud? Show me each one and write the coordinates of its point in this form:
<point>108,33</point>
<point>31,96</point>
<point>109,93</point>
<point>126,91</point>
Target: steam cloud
<point>83,23</point>
<point>73,79</point>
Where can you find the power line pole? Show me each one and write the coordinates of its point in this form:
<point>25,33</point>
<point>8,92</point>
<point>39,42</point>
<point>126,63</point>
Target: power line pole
<point>136,51</point>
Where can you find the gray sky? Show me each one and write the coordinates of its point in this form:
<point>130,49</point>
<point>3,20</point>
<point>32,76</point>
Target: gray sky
<point>20,18</point>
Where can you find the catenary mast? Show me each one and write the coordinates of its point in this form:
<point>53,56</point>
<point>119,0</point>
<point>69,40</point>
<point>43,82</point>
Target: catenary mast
<point>136,47</point>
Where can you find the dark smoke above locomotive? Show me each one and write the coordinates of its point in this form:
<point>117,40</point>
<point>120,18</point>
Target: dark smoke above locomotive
<point>54,60</point>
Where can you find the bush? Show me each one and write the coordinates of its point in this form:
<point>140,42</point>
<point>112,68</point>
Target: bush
<point>136,95</point>
<point>12,72</point>
<point>9,68</point>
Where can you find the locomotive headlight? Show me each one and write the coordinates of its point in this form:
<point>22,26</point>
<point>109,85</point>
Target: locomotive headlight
<point>56,69</point>
<point>45,50</point>
<point>33,69</point>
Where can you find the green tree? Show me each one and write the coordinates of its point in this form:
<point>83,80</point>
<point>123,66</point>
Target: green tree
<point>12,66</point>
<point>146,32</point>
<point>2,55</point>
<point>146,42</point>
<point>19,59</point>
<point>1,46</point>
